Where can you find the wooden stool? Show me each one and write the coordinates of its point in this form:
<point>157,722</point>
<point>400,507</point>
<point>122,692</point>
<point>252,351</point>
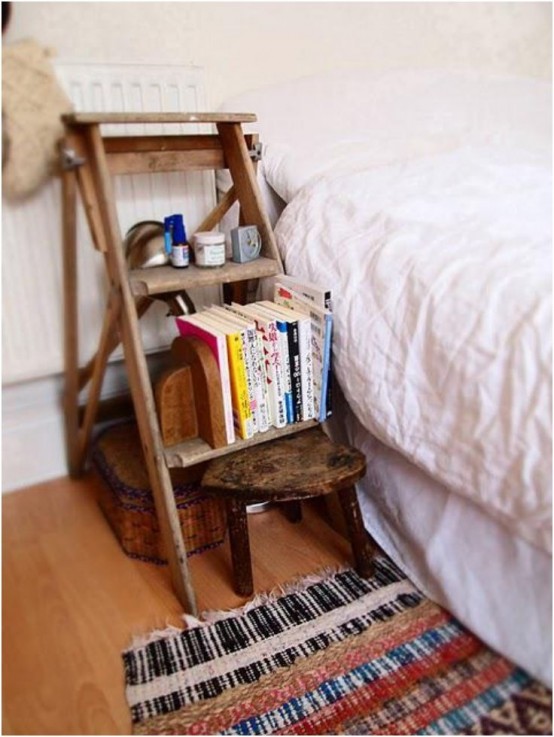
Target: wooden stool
<point>289,469</point>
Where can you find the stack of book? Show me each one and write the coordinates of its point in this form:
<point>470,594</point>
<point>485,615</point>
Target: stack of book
<point>274,358</point>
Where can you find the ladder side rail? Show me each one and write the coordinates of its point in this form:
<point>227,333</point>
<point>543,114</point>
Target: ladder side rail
<point>70,398</point>
<point>99,369</point>
<point>73,157</point>
<point>244,178</point>
<point>113,341</point>
<point>141,389</point>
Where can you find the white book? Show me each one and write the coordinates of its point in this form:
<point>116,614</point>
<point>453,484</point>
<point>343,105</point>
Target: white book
<point>306,361</point>
<point>285,364</point>
<point>194,326</point>
<point>271,356</point>
<point>254,366</point>
<point>321,296</point>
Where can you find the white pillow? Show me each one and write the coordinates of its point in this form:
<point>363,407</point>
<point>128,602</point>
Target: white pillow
<point>310,125</point>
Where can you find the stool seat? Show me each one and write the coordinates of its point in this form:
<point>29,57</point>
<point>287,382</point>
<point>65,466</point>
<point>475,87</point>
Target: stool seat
<point>293,467</point>
<point>287,470</point>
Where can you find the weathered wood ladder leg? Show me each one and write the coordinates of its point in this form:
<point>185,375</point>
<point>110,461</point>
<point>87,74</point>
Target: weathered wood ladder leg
<point>362,548</point>
<point>77,434</point>
<point>71,344</point>
<point>102,199</point>
<point>243,173</point>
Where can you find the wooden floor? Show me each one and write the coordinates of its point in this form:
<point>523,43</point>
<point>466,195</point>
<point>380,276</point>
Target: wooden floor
<point>72,601</point>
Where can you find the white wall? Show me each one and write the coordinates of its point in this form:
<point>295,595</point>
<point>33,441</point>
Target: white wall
<point>242,46</point>
<point>246,45</point>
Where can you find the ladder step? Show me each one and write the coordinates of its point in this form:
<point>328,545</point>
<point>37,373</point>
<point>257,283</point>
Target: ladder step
<point>197,450</point>
<point>160,279</point>
<point>123,118</point>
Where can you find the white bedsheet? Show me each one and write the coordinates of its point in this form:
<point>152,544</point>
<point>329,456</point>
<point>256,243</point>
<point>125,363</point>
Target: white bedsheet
<point>441,270</point>
<point>494,582</point>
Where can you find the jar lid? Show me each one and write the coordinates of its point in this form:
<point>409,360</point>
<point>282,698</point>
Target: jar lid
<point>209,238</point>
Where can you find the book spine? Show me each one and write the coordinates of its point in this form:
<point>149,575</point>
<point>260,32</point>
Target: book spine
<point>306,368</point>
<point>295,370</point>
<point>318,350</point>
<point>270,361</point>
<point>285,364</point>
<point>284,297</point>
<point>247,351</point>
<point>226,388</point>
<point>239,388</point>
<point>258,380</point>
<point>327,374</point>
<point>274,372</point>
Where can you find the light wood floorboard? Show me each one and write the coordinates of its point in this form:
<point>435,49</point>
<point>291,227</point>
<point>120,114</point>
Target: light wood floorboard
<point>72,601</point>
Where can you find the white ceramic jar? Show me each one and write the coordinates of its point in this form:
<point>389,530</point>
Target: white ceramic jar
<point>209,249</point>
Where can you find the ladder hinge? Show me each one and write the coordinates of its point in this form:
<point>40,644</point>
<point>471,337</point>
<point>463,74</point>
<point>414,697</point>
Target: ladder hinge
<point>69,159</point>
<point>256,152</point>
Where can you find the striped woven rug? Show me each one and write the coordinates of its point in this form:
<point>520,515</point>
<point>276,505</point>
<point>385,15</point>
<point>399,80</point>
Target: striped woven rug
<point>334,655</point>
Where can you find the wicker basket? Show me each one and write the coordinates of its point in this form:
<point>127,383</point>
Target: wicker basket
<point>127,502</point>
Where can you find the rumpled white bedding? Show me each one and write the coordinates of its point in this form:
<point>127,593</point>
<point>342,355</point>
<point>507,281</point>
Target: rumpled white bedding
<point>440,268</point>
<point>492,581</point>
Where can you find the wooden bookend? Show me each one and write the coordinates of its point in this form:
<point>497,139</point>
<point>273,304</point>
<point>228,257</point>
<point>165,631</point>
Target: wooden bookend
<point>175,405</point>
<point>208,395</point>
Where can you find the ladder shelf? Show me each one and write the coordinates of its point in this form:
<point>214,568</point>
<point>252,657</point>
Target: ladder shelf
<point>161,279</point>
<point>196,451</point>
<point>89,161</point>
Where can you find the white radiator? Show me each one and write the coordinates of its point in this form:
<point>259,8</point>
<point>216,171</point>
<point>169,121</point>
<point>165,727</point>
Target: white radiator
<point>31,231</point>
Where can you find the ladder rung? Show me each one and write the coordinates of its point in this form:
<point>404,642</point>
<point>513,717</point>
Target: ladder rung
<point>136,144</point>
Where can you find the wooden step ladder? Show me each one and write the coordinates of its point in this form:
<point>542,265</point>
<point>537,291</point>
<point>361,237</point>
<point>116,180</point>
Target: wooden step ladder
<point>90,159</point>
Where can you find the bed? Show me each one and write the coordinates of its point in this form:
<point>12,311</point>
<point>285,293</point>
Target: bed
<point>423,200</point>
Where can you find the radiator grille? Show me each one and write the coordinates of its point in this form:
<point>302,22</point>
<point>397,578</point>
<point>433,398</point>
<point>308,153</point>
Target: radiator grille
<point>32,322</point>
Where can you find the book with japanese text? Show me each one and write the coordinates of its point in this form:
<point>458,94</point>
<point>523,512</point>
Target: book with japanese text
<point>254,366</point>
<point>321,297</point>
<point>293,342</point>
<point>303,324</point>
<point>271,355</point>
<point>282,332</point>
<point>322,324</point>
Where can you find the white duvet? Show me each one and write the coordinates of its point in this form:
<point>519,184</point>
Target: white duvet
<point>440,271</point>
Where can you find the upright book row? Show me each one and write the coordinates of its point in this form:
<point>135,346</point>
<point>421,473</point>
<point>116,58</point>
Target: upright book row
<point>274,358</point>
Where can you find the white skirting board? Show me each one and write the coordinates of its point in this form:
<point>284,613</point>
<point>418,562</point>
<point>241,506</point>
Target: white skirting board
<point>33,436</point>
<point>32,321</point>
<point>33,447</point>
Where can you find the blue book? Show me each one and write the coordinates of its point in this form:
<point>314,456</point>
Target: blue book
<point>325,409</point>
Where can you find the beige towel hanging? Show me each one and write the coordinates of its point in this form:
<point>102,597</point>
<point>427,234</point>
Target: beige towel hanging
<point>32,102</point>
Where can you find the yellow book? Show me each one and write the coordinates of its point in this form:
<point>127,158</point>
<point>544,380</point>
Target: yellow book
<point>242,413</point>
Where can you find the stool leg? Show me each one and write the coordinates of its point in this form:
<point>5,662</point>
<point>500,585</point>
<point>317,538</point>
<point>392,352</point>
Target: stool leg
<point>292,510</point>
<point>240,546</point>
<point>361,545</point>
